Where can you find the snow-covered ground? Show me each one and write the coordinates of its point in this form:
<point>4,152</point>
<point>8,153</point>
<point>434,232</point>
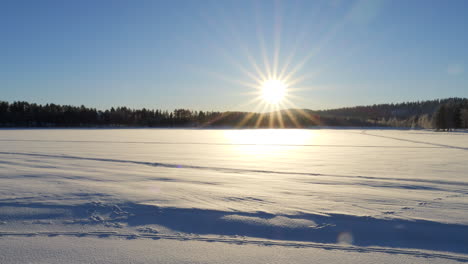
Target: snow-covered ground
<point>262,196</point>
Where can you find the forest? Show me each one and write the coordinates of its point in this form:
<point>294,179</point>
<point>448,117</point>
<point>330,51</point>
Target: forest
<point>441,114</point>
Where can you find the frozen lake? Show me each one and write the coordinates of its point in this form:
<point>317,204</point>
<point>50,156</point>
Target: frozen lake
<point>383,192</point>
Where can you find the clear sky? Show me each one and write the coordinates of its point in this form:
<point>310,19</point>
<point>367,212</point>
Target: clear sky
<point>206,55</point>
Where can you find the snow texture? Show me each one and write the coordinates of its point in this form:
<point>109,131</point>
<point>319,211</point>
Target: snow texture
<point>398,195</point>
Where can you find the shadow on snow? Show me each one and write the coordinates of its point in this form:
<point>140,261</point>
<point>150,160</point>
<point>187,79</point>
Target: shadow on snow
<point>328,229</point>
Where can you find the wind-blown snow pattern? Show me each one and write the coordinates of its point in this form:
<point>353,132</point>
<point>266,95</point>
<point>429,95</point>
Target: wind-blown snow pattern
<point>396,195</point>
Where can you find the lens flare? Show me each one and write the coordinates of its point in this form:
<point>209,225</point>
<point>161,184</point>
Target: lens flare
<point>273,91</point>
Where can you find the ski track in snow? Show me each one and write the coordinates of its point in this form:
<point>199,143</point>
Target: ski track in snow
<point>234,170</point>
<point>414,141</point>
<point>392,228</point>
<point>226,144</point>
<point>130,221</point>
<point>243,241</point>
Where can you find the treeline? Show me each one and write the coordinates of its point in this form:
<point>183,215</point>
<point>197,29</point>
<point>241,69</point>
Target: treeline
<point>451,115</point>
<point>24,114</point>
<point>441,114</point>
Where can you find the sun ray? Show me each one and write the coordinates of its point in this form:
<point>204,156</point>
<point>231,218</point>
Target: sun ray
<point>256,67</point>
<point>279,117</point>
<point>300,79</point>
<point>270,68</point>
<point>261,41</point>
<point>255,100</point>
<point>246,50</point>
<point>229,79</point>
<point>208,18</point>
<point>235,63</point>
<point>246,119</point>
<point>261,116</point>
<point>277,38</point>
<point>295,90</point>
<point>309,117</point>
<point>292,118</point>
<point>250,115</point>
<point>304,32</point>
<point>328,37</point>
<point>244,70</point>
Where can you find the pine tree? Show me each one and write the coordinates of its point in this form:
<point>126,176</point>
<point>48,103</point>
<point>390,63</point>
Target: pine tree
<point>440,121</point>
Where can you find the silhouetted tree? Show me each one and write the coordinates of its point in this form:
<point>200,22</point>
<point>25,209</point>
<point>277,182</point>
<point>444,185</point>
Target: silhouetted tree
<point>464,118</point>
<point>440,118</point>
<point>442,114</point>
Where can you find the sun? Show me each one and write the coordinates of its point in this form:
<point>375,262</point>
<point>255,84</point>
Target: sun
<point>273,91</point>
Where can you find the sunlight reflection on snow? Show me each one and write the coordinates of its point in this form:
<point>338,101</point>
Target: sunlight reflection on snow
<point>266,141</point>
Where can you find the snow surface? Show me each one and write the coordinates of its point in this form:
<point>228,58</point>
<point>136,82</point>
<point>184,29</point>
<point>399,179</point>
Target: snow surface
<point>117,195</point>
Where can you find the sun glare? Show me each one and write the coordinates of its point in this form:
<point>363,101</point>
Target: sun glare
<point>273,91</point>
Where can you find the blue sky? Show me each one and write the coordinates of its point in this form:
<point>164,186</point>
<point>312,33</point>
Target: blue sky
<point>202,54</point>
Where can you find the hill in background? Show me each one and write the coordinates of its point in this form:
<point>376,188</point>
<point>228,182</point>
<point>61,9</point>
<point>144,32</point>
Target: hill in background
<point>441,114</point>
